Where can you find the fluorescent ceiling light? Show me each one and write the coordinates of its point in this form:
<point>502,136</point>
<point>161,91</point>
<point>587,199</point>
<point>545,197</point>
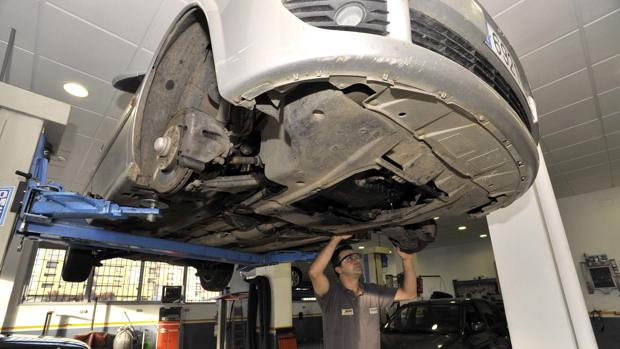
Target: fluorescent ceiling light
<point>435,218</point>
<point>483,235</point>
<point>75,89</point>
<point>462,227</point>
<point>361,247</point>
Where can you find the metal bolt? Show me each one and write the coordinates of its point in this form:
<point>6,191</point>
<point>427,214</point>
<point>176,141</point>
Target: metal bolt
<point>481,118</point>
<point>246,150</point>
<point>522,178</point>
<point>520,163</point>
<point>443,95</point>
<point>162,145</point>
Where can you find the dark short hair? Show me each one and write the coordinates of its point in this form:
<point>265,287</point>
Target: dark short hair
<point>336,256</point>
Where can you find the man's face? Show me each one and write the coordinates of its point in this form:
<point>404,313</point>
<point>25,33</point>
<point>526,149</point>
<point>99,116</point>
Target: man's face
<point>350,263</point>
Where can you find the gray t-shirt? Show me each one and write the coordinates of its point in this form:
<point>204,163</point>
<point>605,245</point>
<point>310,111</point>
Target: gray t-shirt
<point>353,322</point>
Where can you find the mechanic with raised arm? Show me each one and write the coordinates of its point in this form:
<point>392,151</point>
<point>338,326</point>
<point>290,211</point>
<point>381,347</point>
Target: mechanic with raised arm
<point>350,307</point>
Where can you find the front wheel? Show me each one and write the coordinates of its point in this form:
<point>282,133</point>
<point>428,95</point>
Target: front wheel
<point>296,277</point>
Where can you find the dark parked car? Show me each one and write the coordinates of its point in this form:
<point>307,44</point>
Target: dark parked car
<point>447,324</point>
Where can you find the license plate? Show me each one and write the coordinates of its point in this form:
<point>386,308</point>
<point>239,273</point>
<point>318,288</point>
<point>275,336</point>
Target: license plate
<point>495,43</point>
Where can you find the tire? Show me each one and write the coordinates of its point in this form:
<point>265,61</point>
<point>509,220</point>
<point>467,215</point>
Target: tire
<point>215,276</point>
<point>296,277</point>
<point>78,265</point>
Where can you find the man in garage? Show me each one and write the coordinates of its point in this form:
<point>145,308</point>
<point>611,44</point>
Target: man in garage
<point>351,308</point>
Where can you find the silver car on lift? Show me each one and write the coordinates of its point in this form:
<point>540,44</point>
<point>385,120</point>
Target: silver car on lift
<point>275,124</point>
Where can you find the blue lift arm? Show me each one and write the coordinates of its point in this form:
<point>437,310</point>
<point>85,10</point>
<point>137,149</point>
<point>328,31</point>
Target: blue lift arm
<point>50,213</point>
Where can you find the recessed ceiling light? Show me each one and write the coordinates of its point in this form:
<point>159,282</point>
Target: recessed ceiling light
<point>483,235</point>
<point>75,89</point>
<point>435,218</point>
<point>462,227</point>
<point>361,247</point>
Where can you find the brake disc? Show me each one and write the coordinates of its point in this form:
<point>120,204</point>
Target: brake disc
<point>168,175</point>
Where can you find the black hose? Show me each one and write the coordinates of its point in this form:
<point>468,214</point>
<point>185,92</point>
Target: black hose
<point>265,311</point>
<point>251,320</point>
<point>259,301</point>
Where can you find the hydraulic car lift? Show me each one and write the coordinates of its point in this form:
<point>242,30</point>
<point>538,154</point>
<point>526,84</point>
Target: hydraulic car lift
<point>47,212</point>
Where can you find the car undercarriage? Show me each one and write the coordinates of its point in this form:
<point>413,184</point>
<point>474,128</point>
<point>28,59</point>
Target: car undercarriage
<point>334,153</point>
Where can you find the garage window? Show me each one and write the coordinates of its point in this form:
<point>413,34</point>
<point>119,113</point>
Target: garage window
<point>46,285</point>
<point>156,276</point>
<point>117,280</point>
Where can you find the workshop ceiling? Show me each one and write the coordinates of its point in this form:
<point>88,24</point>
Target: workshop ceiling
<point>570,50</point>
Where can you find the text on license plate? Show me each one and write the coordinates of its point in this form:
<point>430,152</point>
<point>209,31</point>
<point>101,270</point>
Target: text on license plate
<point>495,43</point>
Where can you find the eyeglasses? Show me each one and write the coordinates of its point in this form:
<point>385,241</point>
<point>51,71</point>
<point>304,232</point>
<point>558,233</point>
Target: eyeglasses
<point>353,257</point>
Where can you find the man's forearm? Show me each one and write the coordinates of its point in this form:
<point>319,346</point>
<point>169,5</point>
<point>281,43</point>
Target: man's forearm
<point>409,279</point>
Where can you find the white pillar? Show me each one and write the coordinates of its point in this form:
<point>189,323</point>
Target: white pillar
<point>23,116</point>
<point>542,296</point>
<point>281,294</point>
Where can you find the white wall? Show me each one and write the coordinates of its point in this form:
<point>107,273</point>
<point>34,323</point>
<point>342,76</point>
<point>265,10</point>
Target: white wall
<point>30,317</point>
<point>592,224</point>
<point>459,262</point>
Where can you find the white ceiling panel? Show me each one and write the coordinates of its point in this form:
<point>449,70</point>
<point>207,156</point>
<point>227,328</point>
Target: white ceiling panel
<point>563,191</point>
<point>140,61</point>
<point>604,37</point>
<point>594,171</point>
<point>591,183</point>
<point>607,73</point>
<point>613,140</point>
<point>593,9</point>
<point>50,76</point>
<point>106,129</point>
<point>610,101</point>
<point>579,133</point>
<point>580,149</point>
<point>72,41</point>
<point>21,15</point>
<point>612,122</point>
<point>106,14</point>
<point>614,155</point>
<point>565,91</point>
<point>525,38</point>
<point>494,7</point>
<point>161,23</point>
<point>575,114</point>
<point>582,162</point>
<point>554,173</point>
<point>83,122</point>
<point>19,72</point>
<point>549,62</point>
